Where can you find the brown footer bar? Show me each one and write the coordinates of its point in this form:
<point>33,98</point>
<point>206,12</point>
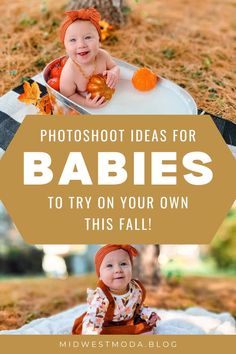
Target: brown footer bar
<point>189,344</point>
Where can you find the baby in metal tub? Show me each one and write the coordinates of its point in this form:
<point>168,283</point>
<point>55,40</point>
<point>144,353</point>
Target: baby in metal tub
<point>80,33</point>
<point>116,305</point>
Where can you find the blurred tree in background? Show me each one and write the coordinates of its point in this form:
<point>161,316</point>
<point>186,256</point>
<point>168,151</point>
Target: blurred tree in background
<point>146,266</point>
<point>113,11</point>
<point>16,256</point>
<point>21,261</point>
<point>223,246</point>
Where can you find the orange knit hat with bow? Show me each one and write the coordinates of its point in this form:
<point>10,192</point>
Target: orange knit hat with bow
<point>132,252</point>
<point>89,14</point>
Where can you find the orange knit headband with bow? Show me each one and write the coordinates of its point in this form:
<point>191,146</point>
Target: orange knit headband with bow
<point>132,252</point>
<point>89,14</point>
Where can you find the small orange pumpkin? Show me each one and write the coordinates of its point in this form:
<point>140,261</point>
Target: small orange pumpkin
<point>97,87</point>
<point>144,79</point>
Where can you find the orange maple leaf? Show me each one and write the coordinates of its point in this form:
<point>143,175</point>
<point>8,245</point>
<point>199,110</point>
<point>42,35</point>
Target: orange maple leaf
<point>105,29</point>
<point>31,93</point>
<point>44,105</point>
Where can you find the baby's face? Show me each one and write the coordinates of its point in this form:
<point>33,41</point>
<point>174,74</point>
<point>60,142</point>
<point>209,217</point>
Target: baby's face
<point>116,271</point>
<point>82,41</point>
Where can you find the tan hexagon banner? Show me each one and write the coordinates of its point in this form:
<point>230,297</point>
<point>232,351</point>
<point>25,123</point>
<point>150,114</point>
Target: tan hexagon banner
<point>133,179</point>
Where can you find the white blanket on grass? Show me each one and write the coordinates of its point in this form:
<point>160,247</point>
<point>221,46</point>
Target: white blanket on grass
<point>194,320</point>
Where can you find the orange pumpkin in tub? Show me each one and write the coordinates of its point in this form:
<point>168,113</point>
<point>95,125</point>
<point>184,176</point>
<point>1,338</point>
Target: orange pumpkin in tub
<point>144,79</point>
<point>97,87</point>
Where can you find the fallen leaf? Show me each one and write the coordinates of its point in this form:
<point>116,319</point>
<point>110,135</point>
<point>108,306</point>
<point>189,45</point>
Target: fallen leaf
<point>44,105</point>
<point>31,93</point>
<point>105,29</point>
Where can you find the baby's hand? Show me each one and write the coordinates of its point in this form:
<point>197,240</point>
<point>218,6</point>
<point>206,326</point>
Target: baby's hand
<point>153,318</point>
<point>96,102</point>
<point>112,77</point>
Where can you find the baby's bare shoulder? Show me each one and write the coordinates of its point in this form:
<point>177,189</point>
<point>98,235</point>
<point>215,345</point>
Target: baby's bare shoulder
<point>106,58</point>
<point>103,54</point>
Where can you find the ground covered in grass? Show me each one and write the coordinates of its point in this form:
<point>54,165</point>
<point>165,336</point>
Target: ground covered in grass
<point>23,300</point>
<point>189,42</point>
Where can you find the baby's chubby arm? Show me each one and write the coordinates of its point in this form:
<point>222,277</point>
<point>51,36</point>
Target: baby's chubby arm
<point>150,316</point>
<point>67,83</point>
<point>68,89</point>
<point>112,71</point>
<point>97,308</point>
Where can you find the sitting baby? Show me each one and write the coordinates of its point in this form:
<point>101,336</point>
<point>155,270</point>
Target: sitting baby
<point>116,305</point>
<point>80,33</point>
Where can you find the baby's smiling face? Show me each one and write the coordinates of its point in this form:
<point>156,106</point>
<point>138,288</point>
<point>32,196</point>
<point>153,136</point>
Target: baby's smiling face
<point>82,42</point>
<point>116,271</point>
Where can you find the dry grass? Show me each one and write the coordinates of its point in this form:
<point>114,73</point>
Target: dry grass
<point>22,301</point>
<point>29,39</point>
<point>190,42</point>
<point>212,293</point>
